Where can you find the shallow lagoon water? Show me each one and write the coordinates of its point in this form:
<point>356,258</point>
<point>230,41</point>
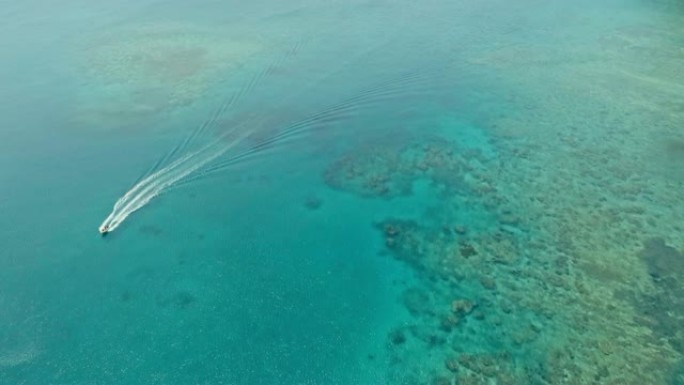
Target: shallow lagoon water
<point>483,192</point>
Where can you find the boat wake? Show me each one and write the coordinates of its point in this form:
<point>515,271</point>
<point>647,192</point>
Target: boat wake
<point>154,184</point>
<point>163,177</point>
<point>206,160</point>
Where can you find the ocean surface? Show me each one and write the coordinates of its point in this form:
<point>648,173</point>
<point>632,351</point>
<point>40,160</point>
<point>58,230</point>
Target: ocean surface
<point>342,192</point>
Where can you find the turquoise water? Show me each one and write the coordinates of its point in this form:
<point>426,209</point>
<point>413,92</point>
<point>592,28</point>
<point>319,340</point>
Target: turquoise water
<point>437,192</point>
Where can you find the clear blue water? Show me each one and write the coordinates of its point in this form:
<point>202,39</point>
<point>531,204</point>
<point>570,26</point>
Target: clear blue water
<point>440,192</point>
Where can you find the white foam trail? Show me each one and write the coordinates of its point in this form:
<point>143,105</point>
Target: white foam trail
<point>154,184</point>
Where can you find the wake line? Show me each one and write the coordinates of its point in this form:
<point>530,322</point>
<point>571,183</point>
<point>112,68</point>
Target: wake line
<point>151,186</point>
<point>187,166</point>
<point>381,92</point>
<point>160,179</point>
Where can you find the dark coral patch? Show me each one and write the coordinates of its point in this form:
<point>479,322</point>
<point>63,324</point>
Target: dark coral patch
<point>417,301</point>
<point>397,337</point>
<point>151,230</point>
<point>126,296</point>
<point>313,203</point>
<point>467,250</point>
<point>664,309</point>
<point>675,149</point>
<point>663,261</point>
<point>389,171</point>
<point>181,299</point>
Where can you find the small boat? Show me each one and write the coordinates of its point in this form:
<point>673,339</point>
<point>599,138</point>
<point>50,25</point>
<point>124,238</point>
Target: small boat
<point>104,229</point>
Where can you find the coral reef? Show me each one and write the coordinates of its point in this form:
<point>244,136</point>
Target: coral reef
<point>389,172</point>
<point>482,305</point>
<point>587,171</point>
<point>524,279</point>
<point>663,310</point>
<point>313,202</point>
<point>136,71</point>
